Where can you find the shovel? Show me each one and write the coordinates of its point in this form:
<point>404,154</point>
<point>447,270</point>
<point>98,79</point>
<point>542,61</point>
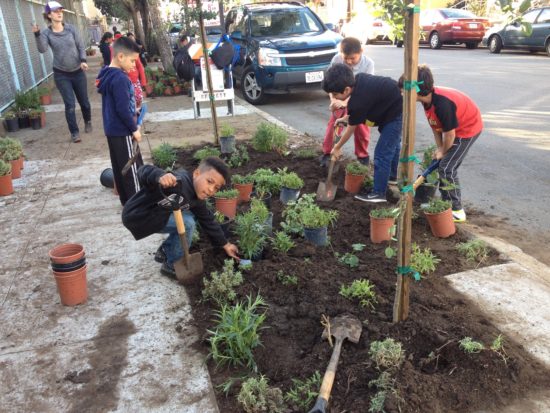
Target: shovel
<point>135,146</point>
<point>433,166</point>
<point>326,191</point>
<point>341,328</point>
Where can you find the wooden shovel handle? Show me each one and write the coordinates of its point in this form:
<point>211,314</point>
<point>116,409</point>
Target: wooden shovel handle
<point>178,217</point>
<point>418,182</point>
<point>328,379</point>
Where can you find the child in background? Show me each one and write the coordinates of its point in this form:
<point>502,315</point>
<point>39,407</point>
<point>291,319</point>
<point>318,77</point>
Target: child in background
<point>105,47</point>
<point>119,114</point>
<point>351,54</point>
<point>137,77</point>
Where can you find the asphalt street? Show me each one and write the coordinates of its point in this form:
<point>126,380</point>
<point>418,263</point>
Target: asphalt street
<point>507,172</point>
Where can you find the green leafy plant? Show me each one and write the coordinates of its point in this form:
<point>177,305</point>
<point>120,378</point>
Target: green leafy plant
<point>256,396</point>
<point>10,115</point>
<point>368,181</point>
<point>5,168</point>
<point>358,247</point>
<point>282,242</point>
<point>436,206</point>
<point>11,154</point>
<point>423,261</point>
<point>227,194</point>
<point>357,168</point>
<point>10,144</point>
<point>361,290</point>
<point>237,333</point>
<point>239,157</point>
<point>470,346</point>
<point>242,179</point>
<point>427,158</point>
<point>265,180</point>
<point>269,137</point>
<point>387,354</point>
<point>205,153</point>
<point>291,214</point>
<point>514,15</point>
<point>385,384</point>
<point>305,153</point>
<point>251,233</point>
<point>303,393</point>
<point>43,91</point>
<point>384,213</point>
<point>474,250</point>
<point>498,347</point>
<point>164,156</point>
<point>158,90</point>
<point>311,216</point>
<point>349,259</point>
<point>220,286</point>
<point>259,210</point>
<point>227,130</point>
<point>291,180</point>
<point>286,279</point>
<point>219,217</point>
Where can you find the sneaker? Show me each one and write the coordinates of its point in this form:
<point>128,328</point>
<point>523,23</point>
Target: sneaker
<point>88,127</point>
<point>459,216</point>
<point>168,270</point>
<point>364,161</point>
<point>371,197</point>
<point>392,181</point>
<point>324,160</point>
<point>75,137</point>
<point>160,255</point>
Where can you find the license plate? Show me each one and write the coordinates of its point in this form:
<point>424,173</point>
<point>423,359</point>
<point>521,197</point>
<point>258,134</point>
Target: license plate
<point>472,25</point>
<point>312,77</point>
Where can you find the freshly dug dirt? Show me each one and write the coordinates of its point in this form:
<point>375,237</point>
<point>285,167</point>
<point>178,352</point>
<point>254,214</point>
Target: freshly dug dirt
<point>436,376</point>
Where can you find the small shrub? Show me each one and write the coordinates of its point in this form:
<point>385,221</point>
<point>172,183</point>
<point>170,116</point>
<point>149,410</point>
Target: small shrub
<point>385,384</point>
<point>291,214</point>
<point>250,230</point>
<point>237,333</point>
<point>227,194</point>
<point>436,206</point>
<point>423,261</point>
<point>239,157</point>
<point>220,286</point>
<point>305,153</point>
<point>286,279</point>
<point>311,216</point>
<point>269,137</point>
<point>265,180</point>
<point>357,168</point>
<point>498,347</point>
<point>227,130</point>
<point>256,396</point>
<point>5,168</point>
<point>291,180</point>
<point>259,210</point>
<point>282,242</point>
<point>377,402</point>
<point>474,250</point>
<point>11,154</point>
<point>205,153</point>
<point>361,290</point>
<point>384,213</point>
<point>242,179</point>
<point>303,393</point>
<point>368,182</point>
<point>470,346</point>
<point>164,156</point>
<point>349,259</point>
<point>219,217</point>
<point>386,354</point>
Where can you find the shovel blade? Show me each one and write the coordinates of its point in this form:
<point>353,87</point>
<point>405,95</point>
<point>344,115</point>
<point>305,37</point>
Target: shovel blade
<point>345,327</point>
<point>188,274</point>
<point>326,191</point>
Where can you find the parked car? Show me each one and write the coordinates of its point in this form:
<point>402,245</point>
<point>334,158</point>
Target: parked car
<point>451,26</point>
<point>512,36</point>
<point>285,47</point>
<point>377,31</point>
<point>367,29</point>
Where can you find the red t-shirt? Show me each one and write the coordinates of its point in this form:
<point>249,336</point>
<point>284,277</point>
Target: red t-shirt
<point>452,109</point>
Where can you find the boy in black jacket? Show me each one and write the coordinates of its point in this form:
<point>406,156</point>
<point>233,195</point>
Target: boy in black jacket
<point>143,217</point>
<point>119,114</point>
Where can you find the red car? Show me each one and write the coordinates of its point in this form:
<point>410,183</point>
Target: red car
<point>451,26</point>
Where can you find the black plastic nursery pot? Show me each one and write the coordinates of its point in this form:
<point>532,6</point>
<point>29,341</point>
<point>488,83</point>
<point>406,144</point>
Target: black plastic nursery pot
<point>36,123</point>
<point>424,193</point>
<point>227,144</point>
<point>24,122</point>
<point>12,125</point>
<point>288,194</point>
<point>107,178</point>
<point>266,199</point>
<point>317,236</point>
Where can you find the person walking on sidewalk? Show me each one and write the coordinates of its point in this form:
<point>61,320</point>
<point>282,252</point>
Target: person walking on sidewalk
<point>143,216</point>
<point>69,65</point>
<point>105,47</point>
<point>456,124</point>
<point>376,100</point>
<point>119,115</point>
<point>351,54</point>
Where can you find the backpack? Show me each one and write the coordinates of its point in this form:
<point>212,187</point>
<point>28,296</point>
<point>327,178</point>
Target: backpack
<point>224,52</point>
<point>183,64</point>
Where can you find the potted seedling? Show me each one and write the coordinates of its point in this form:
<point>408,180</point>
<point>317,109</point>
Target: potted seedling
<point>14,144</point>
<point>263,215</point>
<point>251,235</point>
<point>266,183</point>
<point>243,184</point>
<point>426,190</point>
<point>440,217</point>
<point>12,122</point>
<point>316,221</point>
<point>382,221</point>
<point>291,184</point>
<point>45,94</point>
<point>225,223</point>
<point>12,155</point>
<point>226,202</point>
<point>35,118</point>
<point>23,117</point>
<point>227,138</point>
<point>6,186</point>
<point>355,175</point>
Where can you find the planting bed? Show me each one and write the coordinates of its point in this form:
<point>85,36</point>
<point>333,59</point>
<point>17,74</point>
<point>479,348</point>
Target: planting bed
<point>292,347</point>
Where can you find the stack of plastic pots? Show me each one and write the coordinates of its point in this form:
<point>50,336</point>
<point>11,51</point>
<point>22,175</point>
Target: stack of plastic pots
<point>69,269</point>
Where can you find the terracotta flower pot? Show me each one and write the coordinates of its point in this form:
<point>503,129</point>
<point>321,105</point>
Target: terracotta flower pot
<point>353,183</point>
<point>72,286</point>
<point>6,185</point>
<point>15,169</point>
<point>21,162</point>
<point>228,207</point>
<point>442,224</point>
<point>380,229</point>
<point>66,253</point>
<point>149,89</point>
<point>46,100</point>
<point>168,91</point>
<point>177,89</point>
<point>244,191</point>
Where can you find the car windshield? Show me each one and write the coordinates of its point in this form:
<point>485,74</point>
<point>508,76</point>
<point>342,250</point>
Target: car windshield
<point>284,23</point>
<point>458,14</point>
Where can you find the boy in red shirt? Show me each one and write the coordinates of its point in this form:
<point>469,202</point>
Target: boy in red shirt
<point>456,124</point>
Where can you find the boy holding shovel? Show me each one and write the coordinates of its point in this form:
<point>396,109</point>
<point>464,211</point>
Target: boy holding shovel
<point>143,216</point>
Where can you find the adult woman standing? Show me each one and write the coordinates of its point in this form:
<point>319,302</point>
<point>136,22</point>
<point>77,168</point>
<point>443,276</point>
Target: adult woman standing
<point>69,65</point>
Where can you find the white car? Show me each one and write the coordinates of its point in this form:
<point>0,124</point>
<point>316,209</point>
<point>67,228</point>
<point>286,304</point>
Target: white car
<point>367,29</point>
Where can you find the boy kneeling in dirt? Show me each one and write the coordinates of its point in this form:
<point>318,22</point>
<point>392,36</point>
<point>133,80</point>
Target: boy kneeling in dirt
<point>143,215</point>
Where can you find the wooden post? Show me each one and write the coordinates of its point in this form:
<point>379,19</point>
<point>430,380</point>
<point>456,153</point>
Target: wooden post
<point>401,303</point>
<point>208,74</point>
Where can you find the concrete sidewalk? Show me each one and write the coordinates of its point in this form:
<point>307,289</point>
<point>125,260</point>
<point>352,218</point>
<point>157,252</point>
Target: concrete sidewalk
<point>131,347</point>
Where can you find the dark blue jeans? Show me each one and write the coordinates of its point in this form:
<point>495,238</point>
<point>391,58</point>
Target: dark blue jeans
<point>386,154</point>
<point>172,245</point>
<point>71,85</point>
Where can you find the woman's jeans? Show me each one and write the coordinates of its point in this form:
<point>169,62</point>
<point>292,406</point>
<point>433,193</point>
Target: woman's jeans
<point>71,85</point>
<point>172,245</point>
<point>386,154</point>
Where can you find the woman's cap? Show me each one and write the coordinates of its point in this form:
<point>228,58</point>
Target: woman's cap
<point>52,6</point>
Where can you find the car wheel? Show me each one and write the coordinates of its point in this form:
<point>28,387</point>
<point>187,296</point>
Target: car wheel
<point>472,45</point>
<point>399,43</point>
<point>548,47</point>
<point>495,44</point>
<point>435,41</point>
<point>252,91</point>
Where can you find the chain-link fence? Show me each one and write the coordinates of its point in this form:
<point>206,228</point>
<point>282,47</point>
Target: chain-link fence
<point>22,67</point>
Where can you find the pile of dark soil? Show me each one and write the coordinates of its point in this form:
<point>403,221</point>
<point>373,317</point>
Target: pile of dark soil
<point>436,376</point>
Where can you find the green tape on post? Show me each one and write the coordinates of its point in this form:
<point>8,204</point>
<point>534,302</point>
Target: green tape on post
<point>404,271</point>
<point>411,158</point>
<point>413,9</point>
<point>410,84</point>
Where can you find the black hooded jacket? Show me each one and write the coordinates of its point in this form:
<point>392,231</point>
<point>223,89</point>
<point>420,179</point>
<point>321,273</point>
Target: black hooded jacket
<point>143,217</point>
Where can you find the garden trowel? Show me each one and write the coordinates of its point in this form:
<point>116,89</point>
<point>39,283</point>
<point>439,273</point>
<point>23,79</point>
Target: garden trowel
<point>341,328</point>
<point>433,166</point>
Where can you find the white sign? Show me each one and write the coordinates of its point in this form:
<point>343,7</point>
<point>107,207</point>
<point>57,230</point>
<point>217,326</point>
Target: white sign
<point>216,74</point>
<point>201,96</point>
<point>312,77</point>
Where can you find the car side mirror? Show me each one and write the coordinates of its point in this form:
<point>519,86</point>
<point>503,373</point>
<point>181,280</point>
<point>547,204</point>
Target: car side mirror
<point>237,35</point>
<point>330,26</point>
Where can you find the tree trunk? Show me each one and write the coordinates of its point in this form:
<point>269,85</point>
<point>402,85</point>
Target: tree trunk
<point>149,42</point>
<point>222,17</point>
<point>161,38</point>
<point>138,28</point>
